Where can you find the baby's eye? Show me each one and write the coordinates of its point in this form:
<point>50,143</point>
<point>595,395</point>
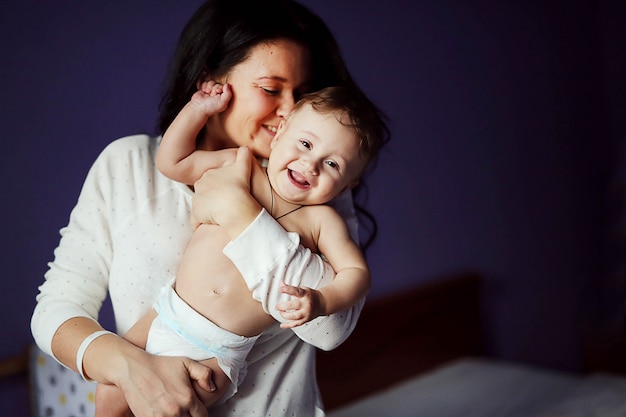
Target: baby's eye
<point>305,143</point>
<point>332,164</point>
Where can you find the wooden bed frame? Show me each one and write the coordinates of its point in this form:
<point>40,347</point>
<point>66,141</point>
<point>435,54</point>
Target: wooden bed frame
<point>402,335</point>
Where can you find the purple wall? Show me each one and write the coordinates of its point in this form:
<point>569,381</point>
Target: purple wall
<point>505,119</point>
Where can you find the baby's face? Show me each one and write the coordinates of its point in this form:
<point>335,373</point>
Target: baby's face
<point>314,158</point>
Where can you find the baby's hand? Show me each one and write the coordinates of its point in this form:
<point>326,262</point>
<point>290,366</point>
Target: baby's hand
<point>212,98</point>
<point>305,305</point>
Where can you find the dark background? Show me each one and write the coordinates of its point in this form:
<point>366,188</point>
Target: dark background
<point>508,122</point>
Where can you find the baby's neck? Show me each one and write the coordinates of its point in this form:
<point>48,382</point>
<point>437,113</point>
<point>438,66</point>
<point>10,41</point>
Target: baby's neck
<point>273,202</point>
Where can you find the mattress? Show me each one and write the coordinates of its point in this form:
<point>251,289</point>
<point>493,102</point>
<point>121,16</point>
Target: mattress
<point>484,388</point>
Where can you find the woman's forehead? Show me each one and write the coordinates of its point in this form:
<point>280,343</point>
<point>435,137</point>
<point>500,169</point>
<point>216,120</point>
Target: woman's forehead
<point>281,61</point>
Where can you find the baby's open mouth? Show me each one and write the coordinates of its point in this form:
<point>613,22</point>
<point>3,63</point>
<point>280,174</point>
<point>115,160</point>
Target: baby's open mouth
<point>298,178</point>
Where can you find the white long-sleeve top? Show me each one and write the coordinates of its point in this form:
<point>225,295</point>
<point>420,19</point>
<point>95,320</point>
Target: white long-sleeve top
<point>125,237</point>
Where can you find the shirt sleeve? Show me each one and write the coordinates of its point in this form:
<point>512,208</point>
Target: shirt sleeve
<point>76,282</point>
<point>265,265</point>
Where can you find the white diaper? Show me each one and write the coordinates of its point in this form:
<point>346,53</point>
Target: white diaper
<point>179,330</point>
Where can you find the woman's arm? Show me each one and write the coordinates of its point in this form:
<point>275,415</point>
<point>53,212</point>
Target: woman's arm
<point>149,382</point>
<point>222,197</point>
<point>70,299</point>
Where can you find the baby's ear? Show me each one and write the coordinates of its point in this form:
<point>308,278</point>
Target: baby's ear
<point>351,185</point>
<point>280,125</point>
<point>278,132</point>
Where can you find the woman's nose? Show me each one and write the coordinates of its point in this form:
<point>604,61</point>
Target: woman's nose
<point>285,106</point>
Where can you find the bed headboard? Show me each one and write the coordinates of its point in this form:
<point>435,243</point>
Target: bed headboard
<point>401,335</point>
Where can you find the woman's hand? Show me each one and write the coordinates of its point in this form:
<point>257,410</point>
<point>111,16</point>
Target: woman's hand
<point>164,386</point>
<point>152,385</point>
<point>222,196</point>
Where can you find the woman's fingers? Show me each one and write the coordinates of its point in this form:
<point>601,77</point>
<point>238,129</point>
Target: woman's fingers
<point>163,387</point>
<point>201,374</point>
<point>222,196</point>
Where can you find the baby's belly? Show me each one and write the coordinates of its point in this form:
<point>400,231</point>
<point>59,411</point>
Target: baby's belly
<point>211,284</point>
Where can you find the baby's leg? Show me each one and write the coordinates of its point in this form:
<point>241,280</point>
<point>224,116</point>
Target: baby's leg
<point>138,334</point>
<point>110,402</point>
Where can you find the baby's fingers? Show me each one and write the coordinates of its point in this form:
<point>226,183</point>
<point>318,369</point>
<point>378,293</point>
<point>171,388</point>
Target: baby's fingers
<point>217,89</point>
<point>226,92</point>
<point>207,86</point>
<point>291,290</point>
<point>293,319</point>
<point>284,306</point>
<point>291,324</point>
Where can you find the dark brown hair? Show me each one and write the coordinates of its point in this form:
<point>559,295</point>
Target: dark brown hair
<point>222,33</point>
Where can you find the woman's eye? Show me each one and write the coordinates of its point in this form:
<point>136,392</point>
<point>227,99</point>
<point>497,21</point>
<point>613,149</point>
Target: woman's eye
<point>269,91</point>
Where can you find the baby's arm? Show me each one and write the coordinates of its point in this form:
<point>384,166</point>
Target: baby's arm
<point>350,285</point>
<point>178,157</point>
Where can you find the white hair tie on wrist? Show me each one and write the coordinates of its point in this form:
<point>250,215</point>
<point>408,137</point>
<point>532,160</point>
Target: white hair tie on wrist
<point>83,348</point>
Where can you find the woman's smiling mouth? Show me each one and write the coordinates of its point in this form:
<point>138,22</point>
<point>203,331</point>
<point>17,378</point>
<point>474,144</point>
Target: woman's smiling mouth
<point>272,129</point>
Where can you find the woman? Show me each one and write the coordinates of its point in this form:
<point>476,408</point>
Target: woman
<point>130,225</point>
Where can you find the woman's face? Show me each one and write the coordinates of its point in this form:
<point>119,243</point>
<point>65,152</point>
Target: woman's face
<point>265,87</point>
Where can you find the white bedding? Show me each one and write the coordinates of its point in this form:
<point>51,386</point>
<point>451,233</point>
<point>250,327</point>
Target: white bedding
<point>481,388</point>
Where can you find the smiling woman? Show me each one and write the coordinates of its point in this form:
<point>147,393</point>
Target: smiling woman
<point>130,217</point>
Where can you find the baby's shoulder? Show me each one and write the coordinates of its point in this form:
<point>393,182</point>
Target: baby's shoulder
<point>321,210</point>
<point>317,217</point>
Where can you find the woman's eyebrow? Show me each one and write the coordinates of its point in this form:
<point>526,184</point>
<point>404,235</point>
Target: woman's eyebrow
<point>273,77</point>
